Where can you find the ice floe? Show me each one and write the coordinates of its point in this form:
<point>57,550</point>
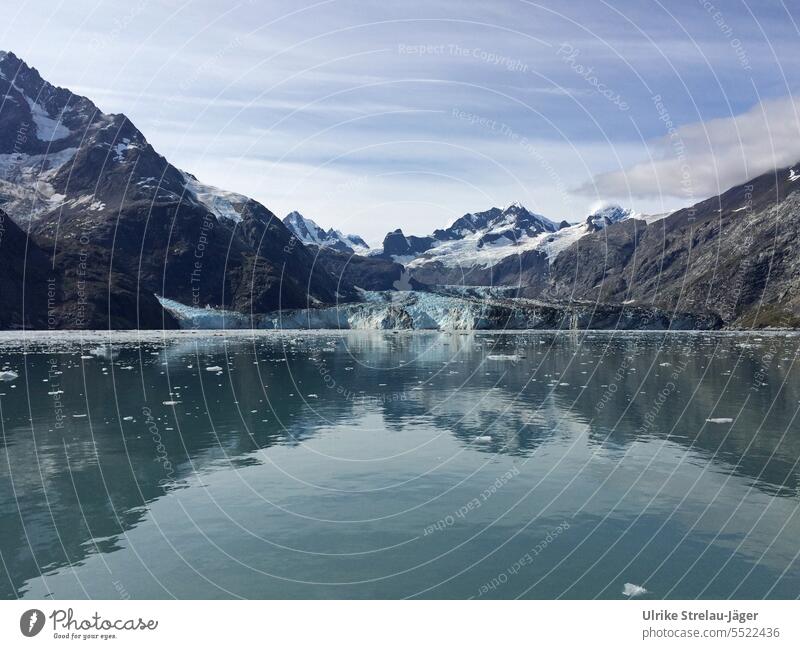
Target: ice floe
<point>632,590</point>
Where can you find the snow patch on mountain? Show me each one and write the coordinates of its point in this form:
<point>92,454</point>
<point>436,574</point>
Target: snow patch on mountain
<point>601,217</point>
<point>47,128</point>
<point>358,244</point>
<point>221,203</point>
<point>559,241</point>
<point>25,181</point>
<point>469,251</point>
<point>88,201</point>
<point>651,218</point>
<point>122,148</point>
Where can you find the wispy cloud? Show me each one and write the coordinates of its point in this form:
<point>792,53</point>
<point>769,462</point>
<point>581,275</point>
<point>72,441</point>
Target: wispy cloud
<point>371,116</point>
<point>704,158</point>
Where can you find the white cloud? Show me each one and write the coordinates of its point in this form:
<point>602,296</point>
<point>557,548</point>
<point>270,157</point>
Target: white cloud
<point>706,158</point>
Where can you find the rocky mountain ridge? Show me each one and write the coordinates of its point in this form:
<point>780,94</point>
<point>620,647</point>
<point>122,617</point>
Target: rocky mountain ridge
<point>98,230</point>
<point>311,234</point>
<point>88,187</point>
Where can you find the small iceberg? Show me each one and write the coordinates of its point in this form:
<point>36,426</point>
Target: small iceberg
<point>632,590</point>
<point>8,375</point>
<point>214,368</point>
<point>720,420</point>
<point>483,439</point>
<point>103,351</point>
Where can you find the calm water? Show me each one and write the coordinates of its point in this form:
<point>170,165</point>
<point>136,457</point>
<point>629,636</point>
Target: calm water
<point>434,465</point>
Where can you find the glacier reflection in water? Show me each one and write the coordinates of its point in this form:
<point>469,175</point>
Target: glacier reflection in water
<point>380,464</point>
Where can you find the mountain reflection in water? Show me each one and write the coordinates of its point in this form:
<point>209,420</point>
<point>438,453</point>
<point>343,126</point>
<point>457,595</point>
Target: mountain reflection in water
<point>380,464</point>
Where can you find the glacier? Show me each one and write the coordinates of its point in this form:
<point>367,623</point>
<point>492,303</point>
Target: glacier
<point>457,311</point>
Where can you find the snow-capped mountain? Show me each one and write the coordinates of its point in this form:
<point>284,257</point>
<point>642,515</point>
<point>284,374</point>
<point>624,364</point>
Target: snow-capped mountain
<point>491,229</point>
<point>734,255</point>
<point>606,215</point>
<point>94,224</point>
<point>90,188</point>
<point>310,233</point>
<point>494,247</point>
<point>512,223</point>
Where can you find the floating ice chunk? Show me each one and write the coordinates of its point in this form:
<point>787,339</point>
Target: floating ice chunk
<point>719,420</point>
<point>214,368</point>
<point>103,351</point>
<point>632,590</point>
<point>128,418</point>
<point>8,375</point>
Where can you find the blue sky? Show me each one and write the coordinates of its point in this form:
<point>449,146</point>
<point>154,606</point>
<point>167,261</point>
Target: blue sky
<point>368,116</point>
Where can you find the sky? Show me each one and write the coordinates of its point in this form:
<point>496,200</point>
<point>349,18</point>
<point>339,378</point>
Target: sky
<point>369,116</point>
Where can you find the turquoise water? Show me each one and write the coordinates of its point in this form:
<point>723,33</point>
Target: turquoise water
<point>392,465</point>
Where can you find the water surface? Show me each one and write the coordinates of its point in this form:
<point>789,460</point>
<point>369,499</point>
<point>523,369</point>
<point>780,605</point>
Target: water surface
<point>392,465</point>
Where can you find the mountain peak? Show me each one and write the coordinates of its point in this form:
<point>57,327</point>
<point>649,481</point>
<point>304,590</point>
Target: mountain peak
<point>19,71</point>
<point>310,233</point>
<point>606,214</point>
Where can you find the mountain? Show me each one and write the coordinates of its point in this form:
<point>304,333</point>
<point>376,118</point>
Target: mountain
<point>367,273</point>
<point>513,223</point>
<point>98,230</point>
<point>734,255</point>
<point>401,248</point>
<point>497,247</point>
<point>607,215</point>
<point>25,273</point>
<point>311,234</point>
<point>40,290</point>
<point>346,257</point>
<point>89,187</point>
<point>476,229</point>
